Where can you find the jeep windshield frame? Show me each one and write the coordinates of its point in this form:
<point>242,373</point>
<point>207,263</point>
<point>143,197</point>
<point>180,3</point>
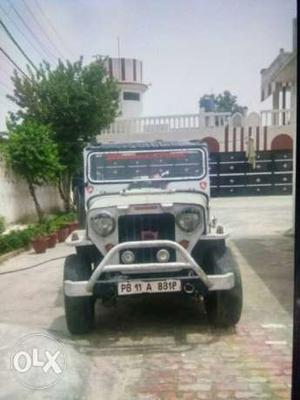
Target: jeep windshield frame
<point>151,156</point>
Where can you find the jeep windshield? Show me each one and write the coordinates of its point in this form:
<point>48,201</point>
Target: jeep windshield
<point>154,165</point>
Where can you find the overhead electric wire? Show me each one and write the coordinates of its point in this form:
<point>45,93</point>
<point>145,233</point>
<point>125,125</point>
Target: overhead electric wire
<point>17,44</point>
<point>22,33</point>
<point>42,28</point>
<point>30,30</point>
<point>13,62</point>
<point>52,27</point>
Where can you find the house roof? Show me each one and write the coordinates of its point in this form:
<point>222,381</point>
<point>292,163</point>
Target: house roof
<point>281,71</point>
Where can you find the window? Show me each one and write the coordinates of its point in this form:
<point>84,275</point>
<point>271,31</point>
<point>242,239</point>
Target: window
<point>131,96</point>
<point>146,165</point>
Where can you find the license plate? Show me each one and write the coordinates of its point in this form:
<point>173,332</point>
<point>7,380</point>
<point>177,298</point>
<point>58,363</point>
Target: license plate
<point>137,287</point>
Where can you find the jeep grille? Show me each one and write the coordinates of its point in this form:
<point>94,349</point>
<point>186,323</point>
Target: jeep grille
<point>147,227</point>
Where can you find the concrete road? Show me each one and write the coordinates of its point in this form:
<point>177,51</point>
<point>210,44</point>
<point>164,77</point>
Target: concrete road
<point>158,348</point>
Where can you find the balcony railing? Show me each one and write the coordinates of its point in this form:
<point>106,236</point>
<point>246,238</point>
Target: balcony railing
<point>168,123</point>
<point>276,117</point>
<point>198,122</point>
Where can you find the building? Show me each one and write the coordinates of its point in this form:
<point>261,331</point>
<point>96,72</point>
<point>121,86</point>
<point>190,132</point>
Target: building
<point>129,74</point>
<point>271,129</point>
<point>250,153</point>
<point>279,81</point>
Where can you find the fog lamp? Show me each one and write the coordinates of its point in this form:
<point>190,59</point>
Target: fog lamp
<point>128,257</point>
<point>163,256</point>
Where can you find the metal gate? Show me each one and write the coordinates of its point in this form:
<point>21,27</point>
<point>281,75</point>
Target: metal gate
<point>233,175</point>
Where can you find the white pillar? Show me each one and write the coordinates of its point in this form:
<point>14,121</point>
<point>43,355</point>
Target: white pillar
<point>275,105</point>
<point>293,102</point>
<point>201,117</point>
<point>283,105</point>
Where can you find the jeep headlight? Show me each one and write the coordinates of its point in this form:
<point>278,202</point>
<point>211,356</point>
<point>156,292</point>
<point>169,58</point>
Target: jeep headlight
<point>103,223</point>
<point>189,219</point>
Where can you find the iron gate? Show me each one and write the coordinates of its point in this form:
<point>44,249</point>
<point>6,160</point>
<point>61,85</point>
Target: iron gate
<point>233,175</point>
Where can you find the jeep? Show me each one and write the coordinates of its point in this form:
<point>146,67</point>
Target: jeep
<point>148,231</point>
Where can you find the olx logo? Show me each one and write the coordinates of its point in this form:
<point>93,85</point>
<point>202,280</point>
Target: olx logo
<point>38,361</point>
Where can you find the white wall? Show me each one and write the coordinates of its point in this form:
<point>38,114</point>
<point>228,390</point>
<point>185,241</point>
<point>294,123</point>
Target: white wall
<point>131,108</point>
<point>15,200</point>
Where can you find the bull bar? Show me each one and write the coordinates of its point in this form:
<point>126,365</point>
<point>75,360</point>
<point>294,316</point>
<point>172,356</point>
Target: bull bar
<point>85,288</point>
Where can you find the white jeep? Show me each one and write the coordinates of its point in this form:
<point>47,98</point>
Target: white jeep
<point>148,230</point>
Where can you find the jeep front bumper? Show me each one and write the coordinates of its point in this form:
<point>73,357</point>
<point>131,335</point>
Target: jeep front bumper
<point>210,282</point>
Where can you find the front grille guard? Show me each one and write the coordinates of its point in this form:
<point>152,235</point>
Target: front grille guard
<point>212,282</point>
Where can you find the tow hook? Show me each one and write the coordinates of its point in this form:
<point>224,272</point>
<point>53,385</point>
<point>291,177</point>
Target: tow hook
<point>188,288</point>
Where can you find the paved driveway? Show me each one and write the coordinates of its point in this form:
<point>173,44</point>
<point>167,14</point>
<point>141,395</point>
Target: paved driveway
<point>163,348</point>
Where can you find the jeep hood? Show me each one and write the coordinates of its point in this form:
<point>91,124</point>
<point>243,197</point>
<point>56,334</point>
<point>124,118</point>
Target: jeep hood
<point>135,197</point>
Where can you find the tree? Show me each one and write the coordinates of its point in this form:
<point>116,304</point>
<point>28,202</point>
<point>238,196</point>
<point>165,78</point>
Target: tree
<point>223,102</point>
<point>208,102</point>
<point>76,101</point>
<point>32,154</point>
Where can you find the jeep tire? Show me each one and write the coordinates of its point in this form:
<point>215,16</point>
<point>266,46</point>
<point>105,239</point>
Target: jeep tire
<point>79,311</point>
<point>224,307</point>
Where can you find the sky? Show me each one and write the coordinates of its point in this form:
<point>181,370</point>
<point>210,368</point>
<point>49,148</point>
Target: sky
<point>188,47</point>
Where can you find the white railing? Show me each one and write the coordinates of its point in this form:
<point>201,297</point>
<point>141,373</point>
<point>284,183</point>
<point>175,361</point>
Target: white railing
<point>168,123</point>
<point>276,117</point>
<point>198,122</point>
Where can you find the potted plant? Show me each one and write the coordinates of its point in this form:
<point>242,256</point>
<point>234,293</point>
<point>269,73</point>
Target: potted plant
<point>61,230</point>
<point>70,221</point>
<point>72,226</point>
<point>62,234</point>
<point>51,237</point>
<point>39,240</point>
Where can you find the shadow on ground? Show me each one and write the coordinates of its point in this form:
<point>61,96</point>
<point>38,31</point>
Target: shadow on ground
<point>146,324</point>
<point>272,258</point>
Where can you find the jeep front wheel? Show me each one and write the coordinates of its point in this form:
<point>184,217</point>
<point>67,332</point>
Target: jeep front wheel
<point>79,311</point>
<point>224,307</point>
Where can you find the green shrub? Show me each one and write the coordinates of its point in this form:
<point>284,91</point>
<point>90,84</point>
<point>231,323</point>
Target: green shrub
<point>15,240</point>
<point>60,223</point>
<point>38,230</point>
<point>66,218</point>
<point>61,220</point>
<point>48,225</point>
<point>21,238</point>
